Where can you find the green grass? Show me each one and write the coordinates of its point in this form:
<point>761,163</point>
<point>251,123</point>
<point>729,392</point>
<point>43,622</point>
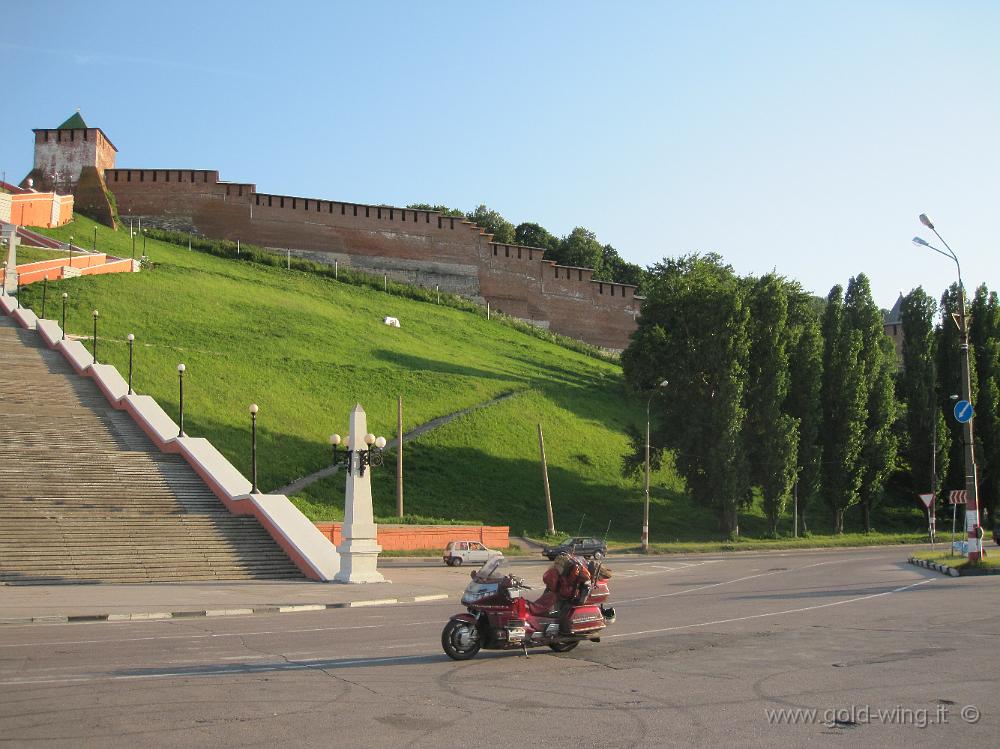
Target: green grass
<point>34,254</point>
<point>306,348</point>
<point>958,561</point>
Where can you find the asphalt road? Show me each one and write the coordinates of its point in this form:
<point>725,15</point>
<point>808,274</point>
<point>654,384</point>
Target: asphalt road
<point>886,654</point>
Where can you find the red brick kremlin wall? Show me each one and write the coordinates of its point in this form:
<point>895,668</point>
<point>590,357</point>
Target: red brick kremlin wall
<point>413,246</point>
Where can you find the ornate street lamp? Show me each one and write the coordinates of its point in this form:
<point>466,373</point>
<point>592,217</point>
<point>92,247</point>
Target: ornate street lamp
<point>372,456</point>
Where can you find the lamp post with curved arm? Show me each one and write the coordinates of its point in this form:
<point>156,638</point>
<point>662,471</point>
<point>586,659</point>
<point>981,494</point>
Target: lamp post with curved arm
<point>974,531</point>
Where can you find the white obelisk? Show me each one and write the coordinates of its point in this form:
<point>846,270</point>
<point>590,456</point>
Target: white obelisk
<point>359,541</point>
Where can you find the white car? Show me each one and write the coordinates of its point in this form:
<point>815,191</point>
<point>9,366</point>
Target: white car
<point>471,552</point>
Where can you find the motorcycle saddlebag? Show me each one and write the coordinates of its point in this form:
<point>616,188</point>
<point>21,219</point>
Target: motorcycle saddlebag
<point>598,593</point>
<point>583,620</point>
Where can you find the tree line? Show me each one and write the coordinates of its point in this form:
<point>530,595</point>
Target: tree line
<point>772,391</point>
<point>580,248</point>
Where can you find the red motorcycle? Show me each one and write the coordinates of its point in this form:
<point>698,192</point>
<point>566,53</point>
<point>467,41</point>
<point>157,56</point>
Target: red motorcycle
<point>500,618</point>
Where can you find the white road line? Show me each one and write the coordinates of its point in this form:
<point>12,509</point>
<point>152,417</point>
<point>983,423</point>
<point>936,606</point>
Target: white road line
<point>210,635</point>
<point>729,582</point>
<point>217,672</point>
<point>770,613</point>
<point>692,590</point>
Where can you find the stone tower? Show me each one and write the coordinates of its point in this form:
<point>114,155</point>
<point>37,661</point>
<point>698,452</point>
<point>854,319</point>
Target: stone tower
<point>70,160</point>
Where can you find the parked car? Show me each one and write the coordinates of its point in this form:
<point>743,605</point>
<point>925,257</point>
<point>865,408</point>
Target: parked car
<point>581,546</point>
<point>468,552</point>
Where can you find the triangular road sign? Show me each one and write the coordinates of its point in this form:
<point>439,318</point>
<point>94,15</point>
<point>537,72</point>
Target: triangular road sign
<point>927,499</point>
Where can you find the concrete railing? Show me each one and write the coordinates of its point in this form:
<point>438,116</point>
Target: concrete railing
<point>306,546</point>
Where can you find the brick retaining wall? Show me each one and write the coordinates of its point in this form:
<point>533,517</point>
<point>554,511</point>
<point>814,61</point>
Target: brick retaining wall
<point>411,537</point>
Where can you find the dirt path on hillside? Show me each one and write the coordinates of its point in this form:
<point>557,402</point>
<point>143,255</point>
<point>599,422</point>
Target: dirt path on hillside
<point>299,484</point>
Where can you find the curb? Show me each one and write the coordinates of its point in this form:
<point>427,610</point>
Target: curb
<point>942,568</point>
<point>945,569</point>
<point>145,616</point>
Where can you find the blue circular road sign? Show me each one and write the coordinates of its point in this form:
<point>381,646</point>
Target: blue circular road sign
<point>963,411</point>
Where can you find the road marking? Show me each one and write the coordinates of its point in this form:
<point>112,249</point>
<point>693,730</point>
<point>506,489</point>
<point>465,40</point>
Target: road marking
<point>770,613</point>
<point>692,590</point>
<point>210,635</point>
<point>282,666</point>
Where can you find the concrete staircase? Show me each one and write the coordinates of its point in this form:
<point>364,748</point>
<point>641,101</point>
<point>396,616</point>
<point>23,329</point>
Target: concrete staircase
<point>85,496</point>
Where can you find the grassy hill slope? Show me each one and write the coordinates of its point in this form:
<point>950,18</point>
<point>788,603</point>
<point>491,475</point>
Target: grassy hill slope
<point>307,348</point>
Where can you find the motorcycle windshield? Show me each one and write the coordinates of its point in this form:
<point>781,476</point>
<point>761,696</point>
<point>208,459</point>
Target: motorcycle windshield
<point>476,591</point>
<point>490,570</point>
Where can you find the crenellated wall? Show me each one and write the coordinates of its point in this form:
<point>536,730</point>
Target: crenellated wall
<point>414,246</point>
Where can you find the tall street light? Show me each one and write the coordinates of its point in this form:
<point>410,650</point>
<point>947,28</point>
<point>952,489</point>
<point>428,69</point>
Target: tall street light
<point>645,510</point>
<point>180,381</point>
<point>253,447</point>
<point>974,532</point>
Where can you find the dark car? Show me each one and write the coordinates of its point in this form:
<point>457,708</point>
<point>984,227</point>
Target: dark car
<point>588,548</point>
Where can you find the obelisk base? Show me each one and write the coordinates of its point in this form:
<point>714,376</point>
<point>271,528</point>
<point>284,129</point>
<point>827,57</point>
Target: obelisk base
<point>359,561</point>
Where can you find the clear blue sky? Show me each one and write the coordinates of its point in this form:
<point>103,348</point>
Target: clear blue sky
<point>801,136</point>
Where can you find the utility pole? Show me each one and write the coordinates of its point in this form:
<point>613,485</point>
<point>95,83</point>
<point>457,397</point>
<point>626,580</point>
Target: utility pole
<point>399,456</point>
<point>545,480</point>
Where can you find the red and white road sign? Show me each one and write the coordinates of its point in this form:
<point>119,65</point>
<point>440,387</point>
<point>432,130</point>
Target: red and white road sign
<point>927,499</point>
<point>957,497</point>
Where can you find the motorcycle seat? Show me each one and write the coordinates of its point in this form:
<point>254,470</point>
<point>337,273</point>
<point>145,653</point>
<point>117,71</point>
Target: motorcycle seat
<point>541,607</point>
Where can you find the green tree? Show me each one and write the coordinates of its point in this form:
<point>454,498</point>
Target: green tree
<point>535,235</point>
<point>442,209</point>
<point>919,395</point>
<point>878,366</point>
<point>771,433</point>
<point>580,249</point>
<point>495,224</point>
<point>693,333</point>
<point>984,336</point>
<point>950,383</point>
<point>805,365</point>
<point>843,399</point>
<point>614,268</point>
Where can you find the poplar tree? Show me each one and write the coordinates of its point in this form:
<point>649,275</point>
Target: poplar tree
<point>984,336</point>
<point>771,433</point>
<point>844,399</point>
<point>949,370</point>
<point>878,366</point>
<point>919,394</point>
<point>804,401</point>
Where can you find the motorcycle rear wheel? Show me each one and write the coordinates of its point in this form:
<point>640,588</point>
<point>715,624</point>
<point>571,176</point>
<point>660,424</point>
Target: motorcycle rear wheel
<point>564,647</point>
<point>452,637</point>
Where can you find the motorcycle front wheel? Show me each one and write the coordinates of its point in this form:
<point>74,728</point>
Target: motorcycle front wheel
<point>564,647</point>
<point>460,640</point>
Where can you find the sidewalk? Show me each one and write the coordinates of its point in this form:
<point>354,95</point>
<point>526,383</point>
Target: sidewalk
<point>144,601</point>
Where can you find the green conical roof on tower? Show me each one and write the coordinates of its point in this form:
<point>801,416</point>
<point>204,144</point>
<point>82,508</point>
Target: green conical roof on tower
<point>74,123</point>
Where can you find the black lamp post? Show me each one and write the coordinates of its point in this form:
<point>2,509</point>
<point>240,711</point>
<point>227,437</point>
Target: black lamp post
<point>144,243</point>
<point>253,447</point>
<point>65,296</point>
<point>45,289</point>
<point>132,232</point>
<point>180,381</point>
<point>95,239</point>
<point>96,313</point>
<point>131,342</point>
